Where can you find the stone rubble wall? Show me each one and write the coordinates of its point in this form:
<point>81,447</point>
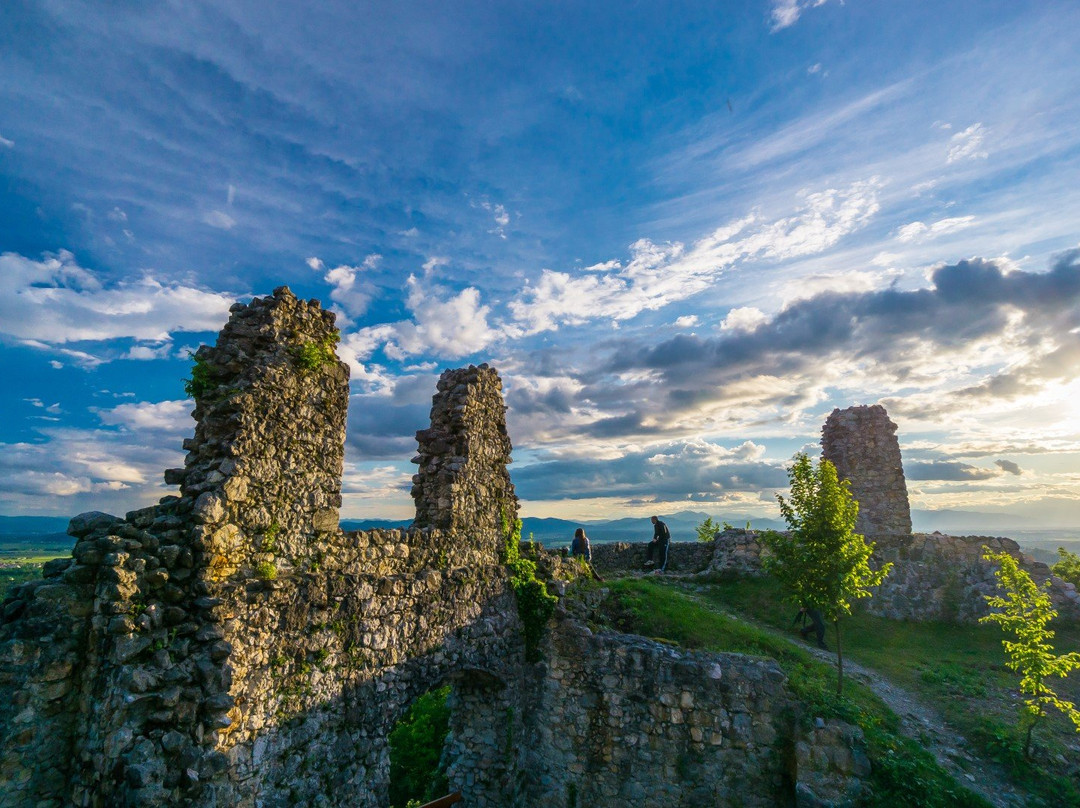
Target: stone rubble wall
<point>940,577</point>
<point>462,483</point>
<point>861,442</point>
<point>231,646</point>
<point>621,720</point>
<point>620,557</point>
<point>934,576</point>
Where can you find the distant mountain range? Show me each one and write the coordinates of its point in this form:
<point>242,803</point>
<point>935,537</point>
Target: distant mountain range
<point>682,524</point>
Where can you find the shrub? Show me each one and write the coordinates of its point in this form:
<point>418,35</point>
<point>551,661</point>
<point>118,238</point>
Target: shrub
<point>314,355</point>
<point>266,570</point>
<point>201,381</point>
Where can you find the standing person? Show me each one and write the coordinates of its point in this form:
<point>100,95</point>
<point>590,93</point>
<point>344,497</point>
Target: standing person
<point>658,547</point>
<point>580,545</point>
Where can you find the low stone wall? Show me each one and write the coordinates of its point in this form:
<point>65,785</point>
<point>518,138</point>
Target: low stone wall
<point>941,577</point>
<point>934,576</point>
<point>620,557</point>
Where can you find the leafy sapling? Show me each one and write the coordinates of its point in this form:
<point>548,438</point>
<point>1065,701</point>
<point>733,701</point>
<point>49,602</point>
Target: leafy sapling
<point>822,562</point>
<point>1024,611</point>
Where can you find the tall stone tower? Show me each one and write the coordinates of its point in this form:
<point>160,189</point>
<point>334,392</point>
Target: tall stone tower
<point>861,442</point>
<point>462,483</point>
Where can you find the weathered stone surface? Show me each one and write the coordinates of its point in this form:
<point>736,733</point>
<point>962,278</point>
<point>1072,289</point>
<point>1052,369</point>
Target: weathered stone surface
<point>861,442</point>
<point>232,646</point>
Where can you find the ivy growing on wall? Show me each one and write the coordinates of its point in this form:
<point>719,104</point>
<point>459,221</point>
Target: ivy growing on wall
<point>535,604</point>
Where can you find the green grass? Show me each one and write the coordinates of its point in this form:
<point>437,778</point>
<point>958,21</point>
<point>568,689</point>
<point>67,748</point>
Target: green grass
<point>958,669</point>
<point>903,772</point>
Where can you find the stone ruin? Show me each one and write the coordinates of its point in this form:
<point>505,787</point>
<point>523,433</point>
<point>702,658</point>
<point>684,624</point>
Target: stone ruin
<point>232,646</point>
<point>934,576</point>
<point>861,442</point>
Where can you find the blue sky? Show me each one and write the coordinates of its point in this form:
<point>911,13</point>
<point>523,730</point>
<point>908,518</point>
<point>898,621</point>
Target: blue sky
<point>683,232</point>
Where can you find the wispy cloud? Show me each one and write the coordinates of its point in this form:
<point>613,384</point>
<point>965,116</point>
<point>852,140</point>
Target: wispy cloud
<point>920,231</point>
<point>968,144</point>
<point>786,13</point>
<point>659,274</point>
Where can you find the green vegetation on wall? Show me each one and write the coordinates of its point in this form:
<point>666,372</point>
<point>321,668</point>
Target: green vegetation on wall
<point>535,604</point>
<point>416,745</point>
<point>707,530</point>
<point>1067,567</point>
<point>316,354</point>
<point>200,383</point>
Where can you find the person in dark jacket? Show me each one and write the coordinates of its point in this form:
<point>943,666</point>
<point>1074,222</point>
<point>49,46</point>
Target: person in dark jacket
<point>817,625</point>
<point>580,545</point>
<point>658,547</point>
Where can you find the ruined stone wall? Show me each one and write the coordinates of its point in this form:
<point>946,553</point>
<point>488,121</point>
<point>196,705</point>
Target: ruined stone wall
<point>462,482</point>
<point>621,720</point>
<point>940,577</point>
<point>620,557</point>
<point>861,442</point>
<point>231,645</point>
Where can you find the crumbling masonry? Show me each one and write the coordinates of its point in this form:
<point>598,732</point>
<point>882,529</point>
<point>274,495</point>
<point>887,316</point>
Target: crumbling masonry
<point>861,442</point>
<point>232,646</point>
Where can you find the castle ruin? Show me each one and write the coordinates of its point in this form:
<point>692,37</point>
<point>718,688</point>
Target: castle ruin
<point>231,646</point>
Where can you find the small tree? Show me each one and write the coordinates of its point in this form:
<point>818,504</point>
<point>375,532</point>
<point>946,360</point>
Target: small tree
<point>1067,566</point>
<point>1025,611</point>
<point>707,530</point>
<point>822,562</point>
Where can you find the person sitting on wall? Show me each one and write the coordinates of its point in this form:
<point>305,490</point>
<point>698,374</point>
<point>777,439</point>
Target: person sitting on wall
<point>817,625</point>
<point>580,548</point>
<point>580,545</point>
<point>658,547</point>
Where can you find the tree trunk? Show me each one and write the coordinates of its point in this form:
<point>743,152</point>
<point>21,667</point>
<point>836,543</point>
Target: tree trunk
<point>839,661</point>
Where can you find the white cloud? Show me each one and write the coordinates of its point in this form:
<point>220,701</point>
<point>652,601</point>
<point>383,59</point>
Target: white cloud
<point>920,231</point>
<point>814,68</point>
<point>434,262</point>
<point>412,232</point>
<point>117,215</point>
<point>968,144</point>
<point>447,325</point>
<point>787,12</point>
<point>659,274</point>
<point>687,321</point>
<point>164,416</point>
<point>148,352</point>
<point>230,195</point>
<point>443,324</point>
<point>348,289</point>
<point>8,144</point>
<point>500,214</point>
<point>219,219</point>
<point>744,318</point>
<point>55,301</point>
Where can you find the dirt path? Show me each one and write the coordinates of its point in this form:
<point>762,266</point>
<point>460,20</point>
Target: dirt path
<point>924,724</point>
<point>918,721</point>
